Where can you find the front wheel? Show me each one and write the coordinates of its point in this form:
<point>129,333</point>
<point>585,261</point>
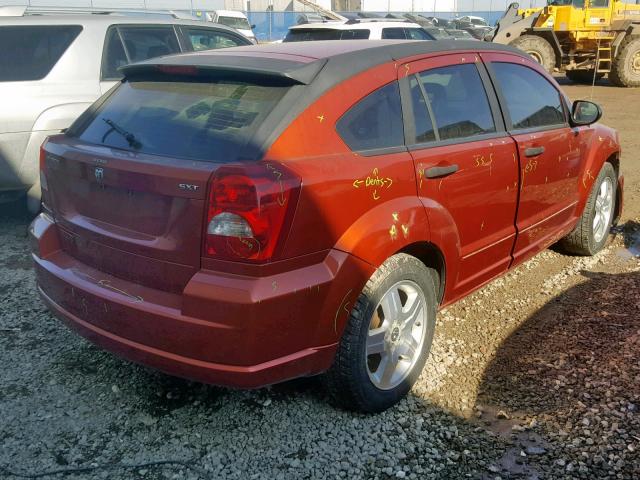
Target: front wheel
<point>591,233</point>
<point>387,339</point>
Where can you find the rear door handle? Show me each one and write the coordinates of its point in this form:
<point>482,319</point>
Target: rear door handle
<point>435,172</point>
<point>533,151</point>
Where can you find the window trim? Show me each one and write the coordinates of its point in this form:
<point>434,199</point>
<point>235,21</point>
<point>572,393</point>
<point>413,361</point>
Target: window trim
<point>409,114</point>
<point>457,141</point>
<point>503,102</point>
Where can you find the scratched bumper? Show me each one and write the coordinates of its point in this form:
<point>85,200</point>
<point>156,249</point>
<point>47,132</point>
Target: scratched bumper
<point>224,329</point>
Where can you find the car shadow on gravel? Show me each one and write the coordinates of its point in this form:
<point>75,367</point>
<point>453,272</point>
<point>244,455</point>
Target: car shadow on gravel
<point>565,386</point>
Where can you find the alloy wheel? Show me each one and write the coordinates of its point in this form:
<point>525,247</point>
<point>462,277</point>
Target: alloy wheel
<point>603,210</point>
<point>396,335</point>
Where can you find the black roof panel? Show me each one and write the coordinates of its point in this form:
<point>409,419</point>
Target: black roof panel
<point>302,62</point>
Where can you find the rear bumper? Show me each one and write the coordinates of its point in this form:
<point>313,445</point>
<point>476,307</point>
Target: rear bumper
<point>230,330</point>
<point>305,362</point>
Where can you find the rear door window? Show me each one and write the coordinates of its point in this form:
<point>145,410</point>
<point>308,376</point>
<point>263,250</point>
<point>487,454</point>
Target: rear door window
<point>374,122</point>
<point>211,39</point>
<point>113,56</point>
<point>394,34</point>
<point>357,34</point>
<point>208,120</point>
<point>417,34</point>
<point>542,104</point>
<point>140,43</point>
<point>31,52</point>
<point>456,102</point>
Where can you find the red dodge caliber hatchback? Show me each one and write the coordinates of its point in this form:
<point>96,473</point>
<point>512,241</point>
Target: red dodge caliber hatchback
<point>251,215</point>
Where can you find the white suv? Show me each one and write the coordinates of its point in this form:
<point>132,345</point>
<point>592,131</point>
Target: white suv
<point>363,29</point>
<point>52,67</point>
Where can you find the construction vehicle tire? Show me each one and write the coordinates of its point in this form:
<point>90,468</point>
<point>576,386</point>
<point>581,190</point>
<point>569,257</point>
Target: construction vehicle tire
<point>582,76</point>
<point>541,50</point>
<point>625,70</point>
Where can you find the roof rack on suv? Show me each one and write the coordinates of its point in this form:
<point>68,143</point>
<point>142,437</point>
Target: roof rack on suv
<point>351,21</point>
<point>24,10</point>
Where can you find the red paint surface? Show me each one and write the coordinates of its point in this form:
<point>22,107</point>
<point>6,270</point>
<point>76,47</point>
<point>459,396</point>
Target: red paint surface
<point>122,263</point>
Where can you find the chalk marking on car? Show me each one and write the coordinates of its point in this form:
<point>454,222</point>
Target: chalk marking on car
<point>340,307</point>
<point>393,232</point>
<point>587,176</point>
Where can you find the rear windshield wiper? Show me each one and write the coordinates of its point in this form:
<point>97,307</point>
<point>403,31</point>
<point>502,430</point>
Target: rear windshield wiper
<point>128,136</point>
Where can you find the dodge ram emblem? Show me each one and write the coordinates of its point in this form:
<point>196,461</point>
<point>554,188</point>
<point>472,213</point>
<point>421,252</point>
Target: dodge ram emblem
<point>99,172</point>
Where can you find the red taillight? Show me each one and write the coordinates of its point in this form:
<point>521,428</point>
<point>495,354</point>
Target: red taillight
<point>250,208</point>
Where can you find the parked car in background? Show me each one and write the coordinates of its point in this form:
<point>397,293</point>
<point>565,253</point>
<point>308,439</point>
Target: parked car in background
<point>476,26</point>
<point>363,29</point>
<point>441,22</point>
<point>415,18</point>
<point>248,216</point>
<point>477,21</point>
<point>52,67</point>
<point>235,19</point>
<point>448,34</point>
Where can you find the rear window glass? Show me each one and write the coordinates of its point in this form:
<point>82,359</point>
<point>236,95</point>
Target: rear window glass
<point>209,122</point>
<point>305,35</point>
<point>30,52</point>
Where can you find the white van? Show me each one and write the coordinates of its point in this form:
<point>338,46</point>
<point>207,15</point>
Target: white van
<point>235,19</point>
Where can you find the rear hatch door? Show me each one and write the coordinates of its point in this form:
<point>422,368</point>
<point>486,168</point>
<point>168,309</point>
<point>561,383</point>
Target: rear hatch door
<point>128,184</point>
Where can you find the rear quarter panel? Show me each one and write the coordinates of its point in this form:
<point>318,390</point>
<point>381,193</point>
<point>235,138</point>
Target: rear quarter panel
<point>364,205</point>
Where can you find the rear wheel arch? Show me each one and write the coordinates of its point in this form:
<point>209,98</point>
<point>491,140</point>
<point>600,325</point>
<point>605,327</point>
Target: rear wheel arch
<point>433,258</point>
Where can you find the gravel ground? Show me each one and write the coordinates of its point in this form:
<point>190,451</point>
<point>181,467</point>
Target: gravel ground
<point>536,375</point>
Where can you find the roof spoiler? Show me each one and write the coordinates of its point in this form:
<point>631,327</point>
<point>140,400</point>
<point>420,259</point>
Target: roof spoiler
<point>197,65</point>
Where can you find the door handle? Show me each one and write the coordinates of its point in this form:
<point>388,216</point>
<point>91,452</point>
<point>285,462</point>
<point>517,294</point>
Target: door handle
<point>533,151</point>
<point>435,172</point>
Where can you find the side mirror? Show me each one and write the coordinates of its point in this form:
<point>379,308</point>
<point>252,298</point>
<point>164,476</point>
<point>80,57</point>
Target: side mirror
<point>253,27</point>
<point>584,112</point>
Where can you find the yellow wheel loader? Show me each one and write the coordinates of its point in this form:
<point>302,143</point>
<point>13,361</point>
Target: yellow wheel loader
<point>585,39</point>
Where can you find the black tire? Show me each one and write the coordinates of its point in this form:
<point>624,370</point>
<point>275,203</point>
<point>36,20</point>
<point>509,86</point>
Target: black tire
<point>541,50</point>
<point>347,381</point>
<point>581,240</point>
<point>582,76</point>
<point>625,70</point>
